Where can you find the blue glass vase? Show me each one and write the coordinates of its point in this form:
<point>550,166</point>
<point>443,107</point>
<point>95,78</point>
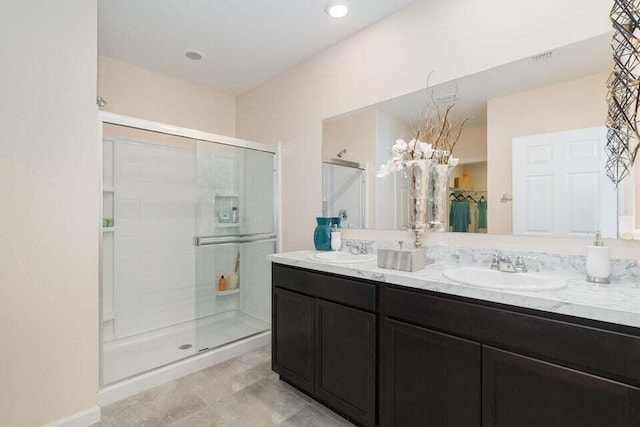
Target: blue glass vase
<point>322,234</point>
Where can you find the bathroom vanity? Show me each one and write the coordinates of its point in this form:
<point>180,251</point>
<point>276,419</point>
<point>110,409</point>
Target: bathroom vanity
<point>405,349</point>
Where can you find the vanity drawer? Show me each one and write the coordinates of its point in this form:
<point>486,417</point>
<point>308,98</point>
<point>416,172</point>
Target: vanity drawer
<point>593,349</point>
<point>338,289</point>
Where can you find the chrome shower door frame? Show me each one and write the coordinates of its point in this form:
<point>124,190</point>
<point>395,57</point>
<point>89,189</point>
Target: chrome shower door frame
<point>197,135</point>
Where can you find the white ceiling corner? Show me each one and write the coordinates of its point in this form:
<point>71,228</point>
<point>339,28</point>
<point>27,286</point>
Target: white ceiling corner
<point>243,42</point>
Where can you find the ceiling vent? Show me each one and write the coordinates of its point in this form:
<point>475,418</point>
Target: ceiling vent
<point>542,57</point>
<point>445,99</point>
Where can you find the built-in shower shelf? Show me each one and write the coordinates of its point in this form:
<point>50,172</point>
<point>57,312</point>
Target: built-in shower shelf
<point>227,224</point>
<point>108,190</point>
<point>229,292</point>
<point>228,195</point>
<point>108,229</point>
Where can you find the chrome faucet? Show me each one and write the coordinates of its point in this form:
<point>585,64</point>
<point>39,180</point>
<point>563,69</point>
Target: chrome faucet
<point>504,264</point>
<point>357,249</point>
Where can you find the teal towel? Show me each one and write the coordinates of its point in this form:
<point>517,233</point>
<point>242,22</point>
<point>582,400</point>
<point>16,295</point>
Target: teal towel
<point>460,215</point>
<point>482,214</point>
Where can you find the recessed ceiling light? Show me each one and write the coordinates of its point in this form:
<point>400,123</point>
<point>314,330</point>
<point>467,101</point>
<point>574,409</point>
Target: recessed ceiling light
<point>337,10</point>
<point>192,54</point>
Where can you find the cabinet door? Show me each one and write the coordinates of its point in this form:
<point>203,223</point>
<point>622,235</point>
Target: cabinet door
<point>293,338</point>
<point>429,378</point>
<point>346,360</point>
<point>524,392</point>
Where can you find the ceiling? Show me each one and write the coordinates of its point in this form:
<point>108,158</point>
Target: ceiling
<point>569,62</point>
<point>243,42</point>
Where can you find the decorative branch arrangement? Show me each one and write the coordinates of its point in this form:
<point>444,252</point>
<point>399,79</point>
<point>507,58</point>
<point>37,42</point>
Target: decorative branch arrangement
<point>428,158</point>
<point>436,127</point>
<point>624,90</point>
<point>435,137</point>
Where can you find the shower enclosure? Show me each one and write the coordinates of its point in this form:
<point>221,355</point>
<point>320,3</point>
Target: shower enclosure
<point>181,210</point>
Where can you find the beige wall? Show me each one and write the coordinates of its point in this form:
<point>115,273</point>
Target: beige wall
<point>570,105</point>
<point>49,218</point>
<point>137,92</point>
<point>472,146</point>
<point>356,132</point>
<point>453,37</point>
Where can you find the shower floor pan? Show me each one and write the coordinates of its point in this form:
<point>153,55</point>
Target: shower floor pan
<point>130,356</point>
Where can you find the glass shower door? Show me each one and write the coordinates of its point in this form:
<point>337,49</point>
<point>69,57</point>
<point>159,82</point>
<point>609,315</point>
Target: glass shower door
<point>147,291</point>
<point>235,231</point>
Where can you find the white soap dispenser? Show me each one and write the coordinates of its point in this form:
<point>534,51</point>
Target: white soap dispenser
<point>598,262</point>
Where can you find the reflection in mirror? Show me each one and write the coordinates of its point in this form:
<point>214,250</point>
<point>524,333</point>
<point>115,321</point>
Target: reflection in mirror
<point>531,160</point>
<point>343,192</point>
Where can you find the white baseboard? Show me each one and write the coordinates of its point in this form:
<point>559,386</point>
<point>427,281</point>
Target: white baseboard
<point>129,387</point>
<point>80,419</point>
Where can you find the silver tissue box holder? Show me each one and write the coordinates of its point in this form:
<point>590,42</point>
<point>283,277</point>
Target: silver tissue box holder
<point>410,259</point>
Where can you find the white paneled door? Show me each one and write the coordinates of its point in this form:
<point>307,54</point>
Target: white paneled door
<point>560,187</point>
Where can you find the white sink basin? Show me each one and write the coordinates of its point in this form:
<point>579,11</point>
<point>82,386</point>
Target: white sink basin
<point>492,279</point>
<point>341,257</point>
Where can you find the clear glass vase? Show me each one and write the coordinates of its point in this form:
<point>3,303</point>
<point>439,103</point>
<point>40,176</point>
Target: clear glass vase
<point>438,198</point>
<point>419,176</point>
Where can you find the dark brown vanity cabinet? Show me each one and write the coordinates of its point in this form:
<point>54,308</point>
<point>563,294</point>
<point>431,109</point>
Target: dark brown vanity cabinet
<point>429,378</point>
<point>346,360</point>
<point>401,357</point>
<point>522,391</point>
<point>324,339</point>
<point>294,338</point>
<point>512,368</point>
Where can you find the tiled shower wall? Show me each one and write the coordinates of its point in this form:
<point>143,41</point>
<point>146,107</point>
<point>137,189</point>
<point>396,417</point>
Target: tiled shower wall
<point>155,224</point>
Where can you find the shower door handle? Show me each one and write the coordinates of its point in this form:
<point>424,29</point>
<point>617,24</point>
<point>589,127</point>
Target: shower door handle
<point>220,240</point>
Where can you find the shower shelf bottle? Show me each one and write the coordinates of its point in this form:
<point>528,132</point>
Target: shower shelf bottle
<point>222,284</point>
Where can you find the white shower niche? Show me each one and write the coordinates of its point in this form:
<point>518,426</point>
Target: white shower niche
<point>181,209</point>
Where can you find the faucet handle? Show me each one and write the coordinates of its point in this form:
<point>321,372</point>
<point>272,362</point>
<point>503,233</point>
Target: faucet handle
<point>356,248</point>
<point>521,266</point>
<point>495,263</point>
<point>533,258</point>
<point>365,248</point>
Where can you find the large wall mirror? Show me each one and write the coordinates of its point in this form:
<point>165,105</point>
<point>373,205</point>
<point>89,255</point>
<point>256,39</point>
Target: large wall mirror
<point>532,159</point>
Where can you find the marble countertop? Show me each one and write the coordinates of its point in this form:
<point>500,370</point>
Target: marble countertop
<point>618,302</point>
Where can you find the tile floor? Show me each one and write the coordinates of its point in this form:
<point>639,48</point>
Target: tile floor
<point>239,392</point>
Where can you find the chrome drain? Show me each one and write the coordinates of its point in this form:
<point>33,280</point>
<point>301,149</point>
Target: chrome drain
<point>185,346</point>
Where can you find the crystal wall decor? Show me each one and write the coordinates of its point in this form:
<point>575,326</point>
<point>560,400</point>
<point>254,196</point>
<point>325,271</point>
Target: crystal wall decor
<point>624,85</point>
